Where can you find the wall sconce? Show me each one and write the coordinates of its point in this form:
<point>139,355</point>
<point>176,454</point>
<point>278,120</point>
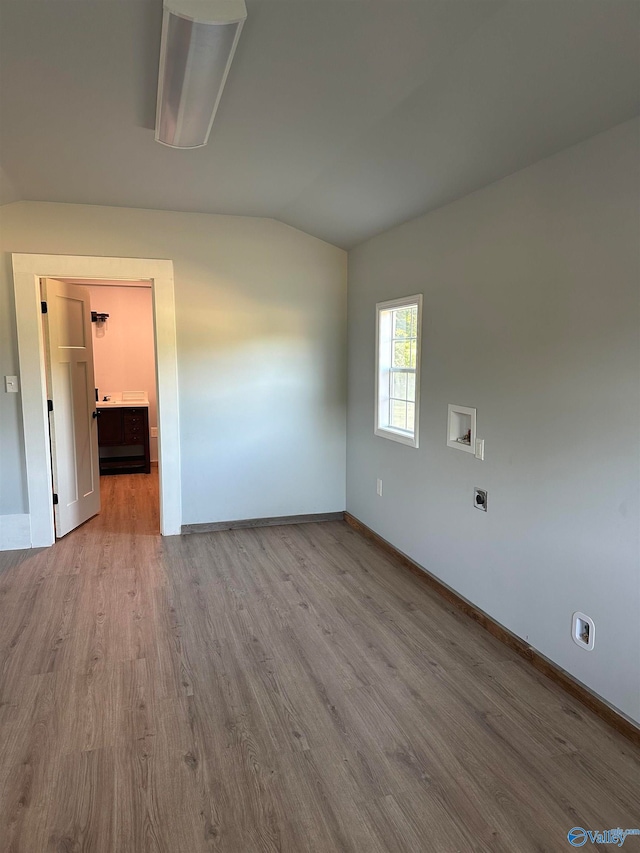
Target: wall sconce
<point>100,319</point>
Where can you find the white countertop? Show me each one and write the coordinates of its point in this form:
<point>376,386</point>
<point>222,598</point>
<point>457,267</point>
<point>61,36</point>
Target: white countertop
<point>122,404</point>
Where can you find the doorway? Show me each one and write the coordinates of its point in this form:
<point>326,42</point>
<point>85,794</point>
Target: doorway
<point>114,422</point>
<point>28,269</point>
<point>125,375</point>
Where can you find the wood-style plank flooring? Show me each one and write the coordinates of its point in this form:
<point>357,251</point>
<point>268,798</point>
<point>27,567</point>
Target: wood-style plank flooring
<point>277,689</point>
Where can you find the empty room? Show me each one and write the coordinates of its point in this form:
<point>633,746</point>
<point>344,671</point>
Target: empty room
<point>319,426</point>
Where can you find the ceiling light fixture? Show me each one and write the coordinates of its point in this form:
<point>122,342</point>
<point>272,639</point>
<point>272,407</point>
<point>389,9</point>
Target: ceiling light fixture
<point>199,38</point>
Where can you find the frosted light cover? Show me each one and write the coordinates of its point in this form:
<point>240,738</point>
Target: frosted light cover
<point>194,62</point>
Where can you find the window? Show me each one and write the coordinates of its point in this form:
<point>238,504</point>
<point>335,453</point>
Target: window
<point>398,369</point>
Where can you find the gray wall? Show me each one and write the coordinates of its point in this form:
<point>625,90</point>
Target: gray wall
<point>260,313</point>
<point>13,492</point>
<point>530,315</point>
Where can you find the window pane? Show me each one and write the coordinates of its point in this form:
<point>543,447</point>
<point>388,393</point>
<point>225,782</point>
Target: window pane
<point>411,416</point>
<point>399,385</point>
<point>398,414</point>
<point>411,387</point>
<point>401,323</point>
<point>401,354</point>
<point>414,322</point>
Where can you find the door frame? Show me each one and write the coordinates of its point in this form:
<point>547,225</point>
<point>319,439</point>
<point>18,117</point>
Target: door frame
<point>27,271</point>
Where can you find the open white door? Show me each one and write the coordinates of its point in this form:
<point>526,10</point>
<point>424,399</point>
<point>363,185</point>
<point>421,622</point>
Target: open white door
<point>74,429</point>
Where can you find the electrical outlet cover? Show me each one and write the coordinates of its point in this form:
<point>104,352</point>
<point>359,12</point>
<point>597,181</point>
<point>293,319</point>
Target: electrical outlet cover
<point>583,631</point>
<point>480,499</point>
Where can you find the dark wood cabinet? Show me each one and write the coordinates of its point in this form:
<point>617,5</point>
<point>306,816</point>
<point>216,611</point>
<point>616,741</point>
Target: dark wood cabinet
<point>123,440</point>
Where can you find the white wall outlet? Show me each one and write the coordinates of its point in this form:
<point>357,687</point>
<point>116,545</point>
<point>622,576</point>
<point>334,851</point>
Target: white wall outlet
<point>379,487</point>
<point>11,384</point>
<point>154,432</point>
<point>480,449</point>
<point>583,631</point>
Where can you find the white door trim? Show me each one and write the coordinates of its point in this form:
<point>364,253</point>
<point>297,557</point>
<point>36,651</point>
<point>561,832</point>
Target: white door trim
<point>27,271</point>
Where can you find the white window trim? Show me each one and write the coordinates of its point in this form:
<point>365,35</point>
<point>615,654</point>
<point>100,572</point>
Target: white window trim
<point>387,432</point>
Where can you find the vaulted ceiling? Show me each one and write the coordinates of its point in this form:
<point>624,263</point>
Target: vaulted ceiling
<point>340,117</point>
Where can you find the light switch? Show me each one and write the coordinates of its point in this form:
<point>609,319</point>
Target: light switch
<point>11,384</point>
<point>480,449</point>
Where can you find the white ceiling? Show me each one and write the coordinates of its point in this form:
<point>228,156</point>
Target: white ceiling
<point>340,117</point>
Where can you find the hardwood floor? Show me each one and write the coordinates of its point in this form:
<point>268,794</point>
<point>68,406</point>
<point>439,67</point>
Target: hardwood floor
<point>278,689</point>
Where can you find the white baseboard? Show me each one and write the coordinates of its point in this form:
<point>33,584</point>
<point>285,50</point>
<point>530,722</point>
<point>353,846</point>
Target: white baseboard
<point>15,532</point>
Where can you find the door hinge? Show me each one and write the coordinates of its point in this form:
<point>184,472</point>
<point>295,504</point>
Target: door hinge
<point>49,405</point>
<point>43,307</point>
<point>55,499</point>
